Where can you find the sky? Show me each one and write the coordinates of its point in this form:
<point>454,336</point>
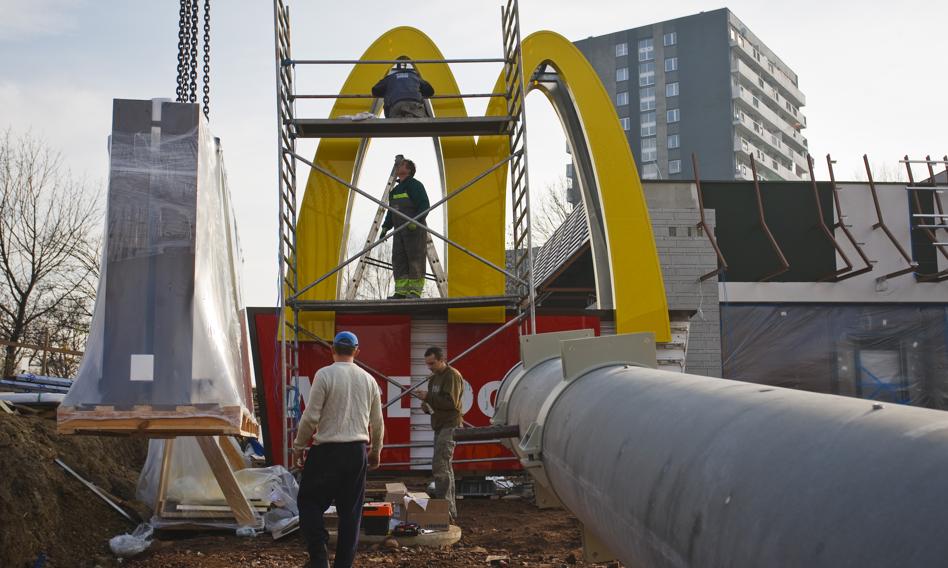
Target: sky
<point>872,72</point>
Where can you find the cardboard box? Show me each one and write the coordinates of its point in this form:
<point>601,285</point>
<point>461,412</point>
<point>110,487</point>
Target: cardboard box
<point>395,493</point>
<point>426,512</point>
<point>330,518</point>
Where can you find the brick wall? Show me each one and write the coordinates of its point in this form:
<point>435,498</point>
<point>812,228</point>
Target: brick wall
<point>685,255</point>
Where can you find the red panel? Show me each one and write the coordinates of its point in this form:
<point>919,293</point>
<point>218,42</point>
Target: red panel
<point>485,367</point>
<point>385,340</point>
<point>385,345</point>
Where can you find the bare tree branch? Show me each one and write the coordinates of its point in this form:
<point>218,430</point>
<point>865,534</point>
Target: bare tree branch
<point>550,211</point>
<point>48,233</point>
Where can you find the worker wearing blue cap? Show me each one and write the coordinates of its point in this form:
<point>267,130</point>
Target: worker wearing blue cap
<point>343,414</point>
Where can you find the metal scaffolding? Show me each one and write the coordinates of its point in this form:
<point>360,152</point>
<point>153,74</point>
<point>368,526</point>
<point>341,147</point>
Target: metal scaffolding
<point>519,267</point>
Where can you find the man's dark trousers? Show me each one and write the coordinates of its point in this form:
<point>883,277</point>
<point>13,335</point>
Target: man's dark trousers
<point>333,473</point>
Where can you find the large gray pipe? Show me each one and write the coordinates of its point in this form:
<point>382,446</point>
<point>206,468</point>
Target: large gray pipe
<point>670,469</point>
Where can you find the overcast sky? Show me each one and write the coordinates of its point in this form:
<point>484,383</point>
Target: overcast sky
<point>872,71</point>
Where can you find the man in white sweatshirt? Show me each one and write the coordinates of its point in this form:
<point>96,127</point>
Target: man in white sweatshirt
<point>344,412</point>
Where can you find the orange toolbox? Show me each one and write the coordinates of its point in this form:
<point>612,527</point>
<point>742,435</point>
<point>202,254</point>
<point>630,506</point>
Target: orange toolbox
<point>376,517</point>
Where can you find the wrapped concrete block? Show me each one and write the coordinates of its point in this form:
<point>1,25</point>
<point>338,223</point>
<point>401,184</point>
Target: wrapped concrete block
<point>167,352</point>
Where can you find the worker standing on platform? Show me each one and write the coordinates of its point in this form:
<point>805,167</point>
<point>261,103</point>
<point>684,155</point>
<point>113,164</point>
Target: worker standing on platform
<point>443,400</point>
<point>404,92</point>
<point>408,249</point>
<point>344,411</point>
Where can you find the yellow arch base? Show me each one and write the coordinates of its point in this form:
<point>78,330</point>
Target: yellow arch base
<point>476,217</point>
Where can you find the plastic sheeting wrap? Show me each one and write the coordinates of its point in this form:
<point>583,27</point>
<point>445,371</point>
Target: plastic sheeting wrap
<point>191,481</point>
<point>891,353</point>
<point>167,331</point>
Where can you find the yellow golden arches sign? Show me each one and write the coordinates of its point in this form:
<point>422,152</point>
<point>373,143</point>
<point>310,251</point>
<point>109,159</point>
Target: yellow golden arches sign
<point>628,274</point>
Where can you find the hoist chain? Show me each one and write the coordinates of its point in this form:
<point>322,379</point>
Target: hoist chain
<point>192,75</point>
<point>182,60</point>
<point>187,87</point>
<point>207,58</point>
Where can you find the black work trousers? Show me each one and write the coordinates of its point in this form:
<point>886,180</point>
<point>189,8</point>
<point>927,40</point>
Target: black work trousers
<point>408,261</point>
<point>334,473</point>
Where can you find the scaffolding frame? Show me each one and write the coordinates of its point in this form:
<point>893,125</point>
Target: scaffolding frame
<point>518,270</point>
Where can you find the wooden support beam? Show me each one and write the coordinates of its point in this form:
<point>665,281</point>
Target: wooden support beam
<point>163,476</point>
<point>243,512</point>
<point>233,455</point>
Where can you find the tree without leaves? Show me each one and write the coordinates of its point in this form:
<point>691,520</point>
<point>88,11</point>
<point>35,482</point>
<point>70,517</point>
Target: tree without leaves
<point>882,172</point>
<point>551,211</point>
<point>48,252</point>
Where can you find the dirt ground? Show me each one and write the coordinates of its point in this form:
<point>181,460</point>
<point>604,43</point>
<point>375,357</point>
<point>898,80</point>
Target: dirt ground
<point>47,514</point>
<point>513,529</point>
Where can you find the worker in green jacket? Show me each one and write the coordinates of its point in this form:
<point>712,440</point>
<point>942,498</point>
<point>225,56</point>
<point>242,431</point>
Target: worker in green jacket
<point>408,249</point>
<point>443,401</point>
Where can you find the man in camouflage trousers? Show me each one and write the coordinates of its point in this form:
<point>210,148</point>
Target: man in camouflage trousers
<point>443,401</point>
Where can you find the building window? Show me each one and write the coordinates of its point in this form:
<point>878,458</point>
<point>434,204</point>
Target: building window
<point>650,171</point>
<point>646,49</point>
<point>625,122</point>
<point>622,74</point>
<point>671,38</point>
<point>674,166</point>
<point>744,146</point>
<point>647,98</point>
<point>646,74</point>
<point>649,150</point>
<point>648,124</point>
<point>671,64</point>
<point>673,115</point>
<point>622,49</point>
<point>622,99</point>
<point>671,89</point>
<point>674,141</point>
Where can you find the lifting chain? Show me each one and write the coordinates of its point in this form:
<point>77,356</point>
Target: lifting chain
<point>207,59</point>
<point>187,88</point>
<point>192,75</point>
<point>182,60</point>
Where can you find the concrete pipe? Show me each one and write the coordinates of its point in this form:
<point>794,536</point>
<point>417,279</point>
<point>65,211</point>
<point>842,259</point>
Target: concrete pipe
<point>670,469</point>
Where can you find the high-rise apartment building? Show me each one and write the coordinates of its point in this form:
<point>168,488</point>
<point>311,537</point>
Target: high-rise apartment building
<point>703,84</point>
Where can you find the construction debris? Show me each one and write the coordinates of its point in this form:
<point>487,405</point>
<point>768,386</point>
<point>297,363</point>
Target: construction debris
<point>92,487</point>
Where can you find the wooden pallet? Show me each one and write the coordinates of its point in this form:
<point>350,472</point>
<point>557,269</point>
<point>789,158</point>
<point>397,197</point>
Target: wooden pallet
<point>145,420</point>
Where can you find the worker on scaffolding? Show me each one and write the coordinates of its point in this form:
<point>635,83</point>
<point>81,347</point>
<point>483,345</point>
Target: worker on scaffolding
<point>408,249</point>
<point>404,92</point>
<point>344,412</point>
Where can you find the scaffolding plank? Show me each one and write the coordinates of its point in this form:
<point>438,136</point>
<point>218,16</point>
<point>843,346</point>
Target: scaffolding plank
<point>401,127</point>
<point>415,305</point>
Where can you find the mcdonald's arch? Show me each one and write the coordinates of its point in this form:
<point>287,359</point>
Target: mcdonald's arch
<point>628,274</point>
